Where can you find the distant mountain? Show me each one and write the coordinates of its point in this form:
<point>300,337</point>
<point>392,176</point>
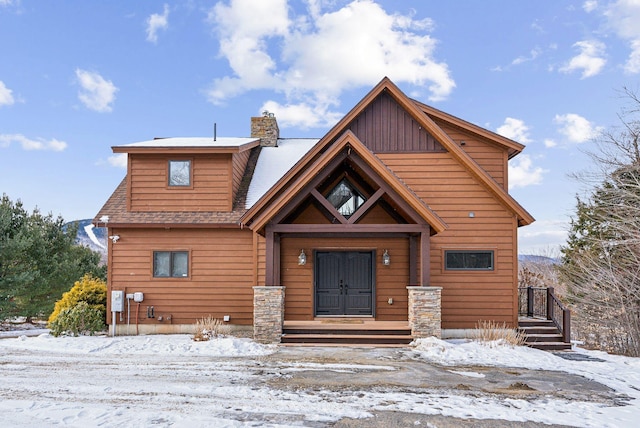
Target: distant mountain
<point>530,258</point>
<point>92,237</point>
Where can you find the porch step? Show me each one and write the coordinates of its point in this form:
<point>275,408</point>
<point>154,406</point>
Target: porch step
<point>542,334</point>
<point>336,334</point>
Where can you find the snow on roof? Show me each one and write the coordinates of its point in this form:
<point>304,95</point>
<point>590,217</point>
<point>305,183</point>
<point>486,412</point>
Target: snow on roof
<point>274,162</point>
<point>193,142</point>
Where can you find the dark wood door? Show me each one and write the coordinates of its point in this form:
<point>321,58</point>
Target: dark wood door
<point>344,282</point>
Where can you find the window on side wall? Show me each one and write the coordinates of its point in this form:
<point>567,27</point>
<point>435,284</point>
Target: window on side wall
<point>180,173</point>
<point>469,260</point>
<point>170,264</point>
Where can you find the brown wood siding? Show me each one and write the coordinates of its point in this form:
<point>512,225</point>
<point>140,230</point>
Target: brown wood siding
<point>221,273</point>
<point>391,281</point>
<point>384,126</point>
<point>210,190</point>
<point>239,164</point>
<point>491,157</point>
<point>453,193</point>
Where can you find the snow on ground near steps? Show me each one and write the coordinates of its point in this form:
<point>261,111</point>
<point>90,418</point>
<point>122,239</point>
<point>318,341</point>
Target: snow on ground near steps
<point>178,344</point>
<point>163,380</point>
<point>619,373</point>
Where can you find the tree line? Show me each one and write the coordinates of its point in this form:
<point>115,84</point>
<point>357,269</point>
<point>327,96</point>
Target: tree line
<point>39,261</point>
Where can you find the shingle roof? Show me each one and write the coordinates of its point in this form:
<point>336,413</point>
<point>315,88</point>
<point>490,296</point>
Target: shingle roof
<point>116,209</point>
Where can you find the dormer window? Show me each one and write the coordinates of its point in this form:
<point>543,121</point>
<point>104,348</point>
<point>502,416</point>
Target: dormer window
<point>346,198</point>
<point>180,173</point>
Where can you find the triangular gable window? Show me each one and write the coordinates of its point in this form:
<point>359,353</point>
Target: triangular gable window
<point>346,198</point>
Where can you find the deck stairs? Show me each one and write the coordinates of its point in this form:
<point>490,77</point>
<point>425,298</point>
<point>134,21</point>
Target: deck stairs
<point>542,334</point>
<point>346,332</point>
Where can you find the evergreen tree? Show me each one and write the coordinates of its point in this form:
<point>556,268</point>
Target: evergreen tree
<point>39,260</point>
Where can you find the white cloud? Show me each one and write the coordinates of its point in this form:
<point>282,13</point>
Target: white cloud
<point>6,97</point>
<point>312,58</point>
<point>522,172</point>
<point>31,144</point>
<point>549,143</point>
<point>157,22</point>
<point>6,2</point>
<point>590,59</point>
<point>590,5</point>
<point>96,93</point>
<point>533,54</point>
<point>623,17</point>
<point>576,128</point>
<point>119,160</point>
<point>515,129</point>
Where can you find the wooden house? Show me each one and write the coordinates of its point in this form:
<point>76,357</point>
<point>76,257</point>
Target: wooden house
<point>400,214</point>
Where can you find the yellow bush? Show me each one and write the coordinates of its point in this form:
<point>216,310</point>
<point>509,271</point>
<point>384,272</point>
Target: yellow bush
<point>91,290</point>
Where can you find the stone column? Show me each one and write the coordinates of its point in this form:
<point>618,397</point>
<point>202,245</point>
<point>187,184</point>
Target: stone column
<point>268,313</point>
<point>425,311</point>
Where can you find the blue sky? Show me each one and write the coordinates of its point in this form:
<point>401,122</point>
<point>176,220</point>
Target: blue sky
<point>77,77</point>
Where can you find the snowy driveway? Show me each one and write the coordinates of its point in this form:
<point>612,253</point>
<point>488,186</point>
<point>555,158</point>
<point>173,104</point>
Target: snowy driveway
<point>173,381</point>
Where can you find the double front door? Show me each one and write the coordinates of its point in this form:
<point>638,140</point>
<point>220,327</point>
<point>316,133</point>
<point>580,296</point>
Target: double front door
<point>344,282</point>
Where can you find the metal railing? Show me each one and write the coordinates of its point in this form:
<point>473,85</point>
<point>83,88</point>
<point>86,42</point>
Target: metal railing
<point>537,302</point>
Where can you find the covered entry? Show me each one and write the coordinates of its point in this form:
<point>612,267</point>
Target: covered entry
<point>344,282</point>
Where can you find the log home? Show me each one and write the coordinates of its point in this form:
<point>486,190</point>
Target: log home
<point>399,215</point>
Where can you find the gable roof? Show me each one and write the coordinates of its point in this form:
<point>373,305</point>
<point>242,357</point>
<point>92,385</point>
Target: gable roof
<point>416,111</point>
<point>260,214</point>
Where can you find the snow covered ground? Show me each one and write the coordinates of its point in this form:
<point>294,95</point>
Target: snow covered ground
<point>229,382</point>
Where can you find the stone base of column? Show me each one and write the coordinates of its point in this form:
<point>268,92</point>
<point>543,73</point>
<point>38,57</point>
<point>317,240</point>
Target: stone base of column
<point>268,313</point>
<point>425,311</point>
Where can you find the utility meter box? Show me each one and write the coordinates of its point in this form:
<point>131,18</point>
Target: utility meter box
<point>117,301</point>
<point>138,297</point>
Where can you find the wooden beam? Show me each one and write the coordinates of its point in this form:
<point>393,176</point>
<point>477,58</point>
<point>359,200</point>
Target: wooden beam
<point>276,259</point>
<point>413,260</point>
<point>349,228</point>
<point>425,257</point>
<point>269,262</point>
<point>366,206</point>
<point>327,205</point>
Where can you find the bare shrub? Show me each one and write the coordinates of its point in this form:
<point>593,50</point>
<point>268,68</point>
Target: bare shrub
<point>208,327</point>
<point>491,331</point>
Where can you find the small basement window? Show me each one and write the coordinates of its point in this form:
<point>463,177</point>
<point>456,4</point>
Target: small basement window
<point>468,260</point>
<point>170,264</point>
<point>180,173</point>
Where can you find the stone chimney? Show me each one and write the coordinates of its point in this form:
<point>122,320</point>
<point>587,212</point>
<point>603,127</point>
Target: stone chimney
<point>266,128</point>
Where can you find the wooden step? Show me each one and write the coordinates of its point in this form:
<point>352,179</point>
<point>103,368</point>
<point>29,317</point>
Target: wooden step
<point>543,338</point>
<point>351,331</point>
<point>355,339</point>
<point>539,330</point>
<point>550,346</point>
<point>535,323</point>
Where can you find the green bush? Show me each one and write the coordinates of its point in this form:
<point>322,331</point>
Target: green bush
<point>81,319</point>
<point>91,290</point>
